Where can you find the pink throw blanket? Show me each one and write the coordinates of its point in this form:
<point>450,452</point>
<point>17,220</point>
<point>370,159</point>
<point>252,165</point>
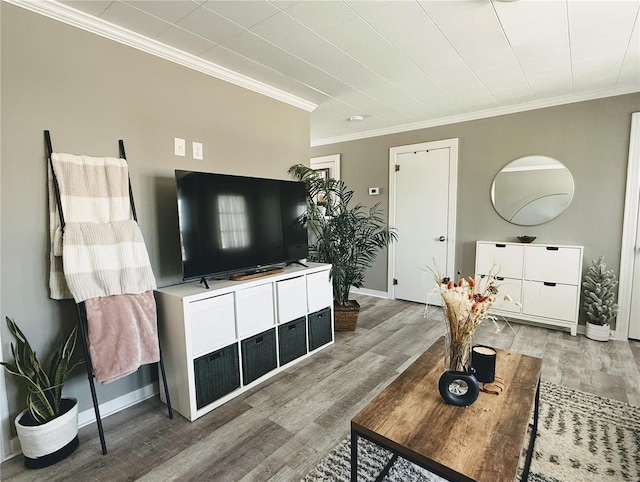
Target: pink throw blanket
<point>123,334</point>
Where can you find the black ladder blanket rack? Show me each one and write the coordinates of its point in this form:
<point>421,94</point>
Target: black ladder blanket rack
<point>80,308</point>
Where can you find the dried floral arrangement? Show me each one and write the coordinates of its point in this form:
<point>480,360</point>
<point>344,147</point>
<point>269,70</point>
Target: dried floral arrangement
<point>466,303</point>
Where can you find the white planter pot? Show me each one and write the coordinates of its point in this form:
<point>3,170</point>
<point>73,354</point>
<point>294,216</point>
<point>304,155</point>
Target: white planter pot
<point>598,332</point>
<point>46,444</point>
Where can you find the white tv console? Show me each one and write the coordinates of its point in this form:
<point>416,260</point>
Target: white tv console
<point>545,280</point>
<point>219,342</point>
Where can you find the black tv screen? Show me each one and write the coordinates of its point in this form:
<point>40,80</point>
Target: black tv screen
<point>235,223</point>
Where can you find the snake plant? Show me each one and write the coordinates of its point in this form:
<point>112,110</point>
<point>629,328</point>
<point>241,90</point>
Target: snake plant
<point>44,387</point>
<point>348,237</point>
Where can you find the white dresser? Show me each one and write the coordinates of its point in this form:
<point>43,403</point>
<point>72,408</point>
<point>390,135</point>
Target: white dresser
<point>219,342</point>
<point>545,279</point>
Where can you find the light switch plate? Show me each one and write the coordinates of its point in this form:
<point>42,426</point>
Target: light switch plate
<point>197,150</point>
<point>374,191</point>
<point>178,146</point>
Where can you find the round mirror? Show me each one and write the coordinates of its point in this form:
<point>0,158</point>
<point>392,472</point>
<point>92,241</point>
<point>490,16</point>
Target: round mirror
<point>532,190</point>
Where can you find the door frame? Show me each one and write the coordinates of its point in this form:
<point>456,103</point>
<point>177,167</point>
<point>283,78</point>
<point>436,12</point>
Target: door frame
<point>331,162</point>
<point>452,145</point>
<point>630,232</point>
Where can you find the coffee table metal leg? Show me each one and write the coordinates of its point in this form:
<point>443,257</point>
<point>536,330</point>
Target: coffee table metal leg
<point>534,433</point>
<point>354,456</point>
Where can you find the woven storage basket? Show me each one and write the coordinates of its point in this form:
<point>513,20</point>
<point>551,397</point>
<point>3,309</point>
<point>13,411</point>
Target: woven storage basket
<point>346,317</point>
<point>41,440</point>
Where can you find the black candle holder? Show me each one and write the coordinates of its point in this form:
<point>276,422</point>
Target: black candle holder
<point>483,361</point>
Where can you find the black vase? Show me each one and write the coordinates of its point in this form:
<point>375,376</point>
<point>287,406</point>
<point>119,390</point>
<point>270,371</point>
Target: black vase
<point>458,388</point>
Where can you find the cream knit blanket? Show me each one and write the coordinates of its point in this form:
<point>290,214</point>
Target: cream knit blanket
<point>102,247</point>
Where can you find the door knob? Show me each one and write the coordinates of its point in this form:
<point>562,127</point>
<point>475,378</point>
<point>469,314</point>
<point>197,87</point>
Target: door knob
<point>442,239</point>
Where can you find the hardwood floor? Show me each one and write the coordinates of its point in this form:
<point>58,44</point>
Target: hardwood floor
<point>281,429</point>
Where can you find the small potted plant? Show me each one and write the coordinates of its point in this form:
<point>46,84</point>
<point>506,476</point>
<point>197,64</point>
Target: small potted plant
<point>48,428</point>
<point>599,299</point>
<point>347,237</point>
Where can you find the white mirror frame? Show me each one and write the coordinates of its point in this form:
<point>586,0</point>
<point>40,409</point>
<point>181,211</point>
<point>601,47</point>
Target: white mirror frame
<point>532,190</point>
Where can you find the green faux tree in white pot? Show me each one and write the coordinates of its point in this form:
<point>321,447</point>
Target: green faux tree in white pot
<point>599,299</point>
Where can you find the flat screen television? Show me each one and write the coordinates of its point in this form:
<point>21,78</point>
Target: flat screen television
<point>232,224</point>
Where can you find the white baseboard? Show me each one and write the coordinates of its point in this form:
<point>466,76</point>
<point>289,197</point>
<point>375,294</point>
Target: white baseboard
<point>367,292</point>
<point>87,417</point>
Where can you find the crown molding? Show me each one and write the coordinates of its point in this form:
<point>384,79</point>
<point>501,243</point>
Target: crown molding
<point>540,104</point>
<point>95,25</point>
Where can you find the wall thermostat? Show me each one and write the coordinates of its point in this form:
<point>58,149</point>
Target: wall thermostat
<point>374,191</point>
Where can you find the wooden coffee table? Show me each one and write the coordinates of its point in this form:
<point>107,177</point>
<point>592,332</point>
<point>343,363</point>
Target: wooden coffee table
<point>481,442</point>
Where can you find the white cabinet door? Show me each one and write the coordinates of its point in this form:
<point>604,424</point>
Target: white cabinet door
<point>254,310</point>
<point>319,291</point>
<point>212,322</point>
<point>504,259</point>
<point>513,288</point>
<point>553,264</point>
<point>550,300</point>
<point>292,299</point>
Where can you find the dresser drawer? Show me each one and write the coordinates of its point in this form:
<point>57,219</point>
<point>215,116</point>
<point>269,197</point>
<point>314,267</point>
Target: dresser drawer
<point>550,300</point>
<point>553,264</point>
<point>254,310</point>
<point>212,323</point>
<point>505,259</point>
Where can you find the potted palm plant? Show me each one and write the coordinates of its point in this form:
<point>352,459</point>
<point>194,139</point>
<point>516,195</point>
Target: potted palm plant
<point>48,428</point>
<point>347,237</point>
<point>599,299</point>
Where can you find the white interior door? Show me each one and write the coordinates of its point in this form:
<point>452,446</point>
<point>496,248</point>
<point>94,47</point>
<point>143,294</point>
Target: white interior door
<point>628,320</point>
<point>424,216</point>
<point>634,325</point>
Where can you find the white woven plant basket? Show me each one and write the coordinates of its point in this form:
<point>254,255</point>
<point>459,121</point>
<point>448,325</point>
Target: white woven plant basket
<point>598,332</point>
<point>41,440</point>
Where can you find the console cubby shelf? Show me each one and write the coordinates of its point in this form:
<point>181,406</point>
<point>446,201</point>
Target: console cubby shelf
<point>219,342</point>
<point>544,278</point>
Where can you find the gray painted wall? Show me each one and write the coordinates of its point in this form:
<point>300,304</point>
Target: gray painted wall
<point>590,138</point>
<point>90,92</point>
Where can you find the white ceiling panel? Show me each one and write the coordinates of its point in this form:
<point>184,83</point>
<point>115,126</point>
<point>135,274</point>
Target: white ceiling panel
<point>613,47</point>
<point>362,7</point>
<point>554,87</point>
<point>591,20</point>
<point>263,52</point>
<point>93,7</point>
<point>246,13</point>
<point>368,48</point>
<point>184,40</point>
<point>168,10</point>
<point>282,30</point>
<point>560,74</point>
<point>241,64</point>
<point>513,95</point>
<point>210,25</point>
<point>321,16</point>
<point>414,109</point>
<point>404,25</point>
<point>133,19</point>
<point>402,62</point>
<point>545,62</point>
<point>534,28</point>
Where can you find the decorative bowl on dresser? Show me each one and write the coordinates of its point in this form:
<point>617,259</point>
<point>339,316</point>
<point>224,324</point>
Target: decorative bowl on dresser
<point>543,279</point>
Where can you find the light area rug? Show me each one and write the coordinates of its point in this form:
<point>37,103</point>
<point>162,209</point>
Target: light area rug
<point>581,438</point>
